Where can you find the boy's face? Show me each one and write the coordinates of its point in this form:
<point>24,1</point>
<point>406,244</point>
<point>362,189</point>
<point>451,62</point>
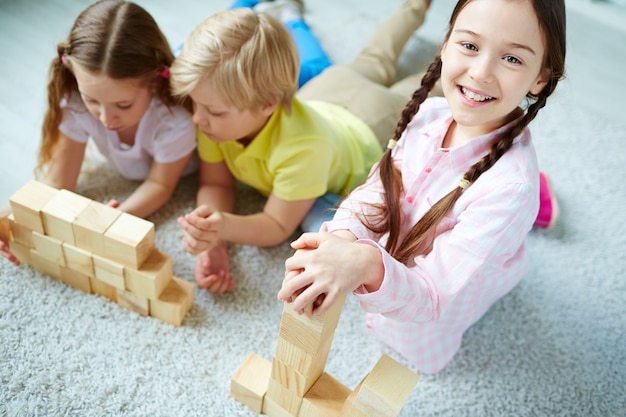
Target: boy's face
<point>222,122</point>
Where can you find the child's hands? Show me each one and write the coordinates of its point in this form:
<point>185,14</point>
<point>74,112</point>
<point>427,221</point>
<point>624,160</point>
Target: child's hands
<point>324,268</point>
<point>201,229</point>
<point>213,270</point>
<point>4,242</point>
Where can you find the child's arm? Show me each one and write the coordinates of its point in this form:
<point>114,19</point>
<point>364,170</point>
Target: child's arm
<point>64,167</point>
<point>205,226</point>
<point>327,266</point>
<point>157,189</point>
<point>4,235</point>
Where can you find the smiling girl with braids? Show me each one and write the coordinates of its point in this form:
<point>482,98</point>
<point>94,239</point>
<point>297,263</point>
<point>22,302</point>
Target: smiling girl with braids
<point>437,232</point>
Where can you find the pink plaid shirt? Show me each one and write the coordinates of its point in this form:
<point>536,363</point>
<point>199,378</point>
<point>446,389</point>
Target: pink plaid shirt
<point>477,253</point>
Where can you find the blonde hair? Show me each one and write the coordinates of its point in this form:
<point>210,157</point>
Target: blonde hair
<point>112,37</point>
<point>250,59</point>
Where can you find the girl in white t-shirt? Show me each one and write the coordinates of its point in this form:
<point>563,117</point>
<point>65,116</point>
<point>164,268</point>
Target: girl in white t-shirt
<point>110,82</point>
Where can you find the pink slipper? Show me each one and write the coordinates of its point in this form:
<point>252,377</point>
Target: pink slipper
<point>548,206</point>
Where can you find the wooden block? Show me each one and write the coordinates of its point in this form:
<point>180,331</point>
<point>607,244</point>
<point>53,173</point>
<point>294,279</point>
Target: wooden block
<point>272,409</point>
<point>174,302</point>
<point>293,380</point>
<point>325,398</point>
<point>288,400</point>
<point>348,409</point>
<point>385,390</point>
<point>90,225</point>
<point>27,203</point>
<point>309,334</point>
<point>44,266</point>
<point>76,279</point>
<point>129,240</point>
<point>304,362</point>
<point>60,212</point>
<point>249,382</point>
<point>133,302</point>
<point>22,252</point>
<point>20,233</point>
<point>49,248</point>
<point>109,272</point>
<point>103,289</point>
<point>78,259</point>
<point>153,276</point>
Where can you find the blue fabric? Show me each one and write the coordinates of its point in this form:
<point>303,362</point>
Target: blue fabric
<point>323,210</point>
<point>243,3</point>
<point>313,59</point>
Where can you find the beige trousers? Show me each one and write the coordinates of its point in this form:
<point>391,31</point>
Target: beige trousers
<point>367,86</point>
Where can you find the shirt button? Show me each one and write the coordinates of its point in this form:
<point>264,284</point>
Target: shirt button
<point>428,170</point>
<point>410,199</point>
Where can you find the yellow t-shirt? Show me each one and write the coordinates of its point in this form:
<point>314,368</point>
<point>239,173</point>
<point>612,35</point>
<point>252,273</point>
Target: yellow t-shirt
<point>316,149</point>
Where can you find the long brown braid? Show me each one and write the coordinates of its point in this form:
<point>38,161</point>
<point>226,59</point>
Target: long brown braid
<point>387,217</point>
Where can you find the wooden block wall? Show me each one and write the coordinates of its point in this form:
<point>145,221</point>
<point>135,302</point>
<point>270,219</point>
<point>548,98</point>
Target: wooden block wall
<point>294,383</point>
<point>96,249</point>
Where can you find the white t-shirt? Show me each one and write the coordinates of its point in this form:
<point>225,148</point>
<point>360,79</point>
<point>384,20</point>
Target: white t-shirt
<point>164,135</point>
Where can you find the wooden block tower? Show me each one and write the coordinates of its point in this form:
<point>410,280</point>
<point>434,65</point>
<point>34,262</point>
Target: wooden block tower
<point>97,249</point>
<point>294,383</point>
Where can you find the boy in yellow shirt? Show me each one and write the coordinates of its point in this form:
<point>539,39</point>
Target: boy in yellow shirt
<point>303,153</point>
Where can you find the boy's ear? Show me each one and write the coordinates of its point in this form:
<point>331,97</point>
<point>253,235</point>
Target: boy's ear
<point>268,109</point>
<point>541,82</point>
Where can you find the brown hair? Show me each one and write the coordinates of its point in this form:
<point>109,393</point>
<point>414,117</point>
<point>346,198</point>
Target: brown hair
<point>551,16</point>
<point>250,58</point>
<point>112,37</point>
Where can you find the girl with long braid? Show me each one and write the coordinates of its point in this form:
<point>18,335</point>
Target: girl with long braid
<point>436,234</point>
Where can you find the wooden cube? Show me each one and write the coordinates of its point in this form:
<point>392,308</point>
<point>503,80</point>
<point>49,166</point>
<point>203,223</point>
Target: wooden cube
<point>109,272</point>
<point>20,233</point>
<point>294,380</point>
<point>249,383</point>
<point>325,398</point>
<point>90,225</point>
<point>304,362</point>
<point>78,259</point>
<point>43,265</point>
<point>133,302</point>
<point>129,240</point>
<point>309,334</point>
<point>174,302</point>
<point>49,248</point>
<point>272,409</point>
<point>27,203</point>
<point>76,279</point>
<point>153,276</point>
<point>21,252</point>
<point>103,289</point>
<point>349,409</point>
<point>385,390</point>
<point>60,212</point>
<point>283,397</point>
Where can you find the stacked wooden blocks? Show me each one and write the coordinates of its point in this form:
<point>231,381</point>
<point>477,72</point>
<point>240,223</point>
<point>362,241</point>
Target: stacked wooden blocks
<point>97,249</point>
<point>294,383</point>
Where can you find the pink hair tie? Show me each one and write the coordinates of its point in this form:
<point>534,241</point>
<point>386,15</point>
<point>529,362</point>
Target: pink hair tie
<point>64,60</point>
<point>165,72</point>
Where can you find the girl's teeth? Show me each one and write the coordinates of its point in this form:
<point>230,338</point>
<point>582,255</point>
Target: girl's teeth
<point>473,96</point>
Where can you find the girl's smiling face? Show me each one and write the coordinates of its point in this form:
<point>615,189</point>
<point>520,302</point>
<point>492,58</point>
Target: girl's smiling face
<point>118,104</point>
<point>492,59</point>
